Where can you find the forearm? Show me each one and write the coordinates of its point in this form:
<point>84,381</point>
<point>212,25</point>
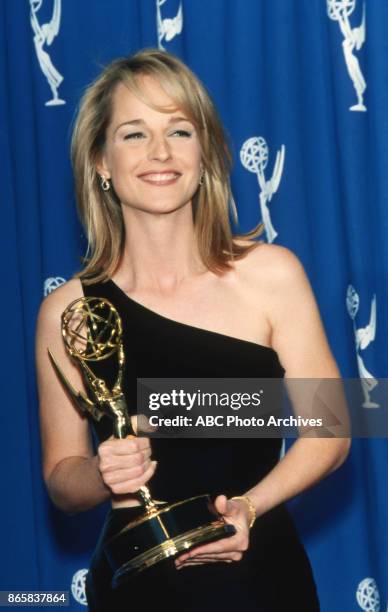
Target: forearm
<point>306,463</point>
<point>75,484</point>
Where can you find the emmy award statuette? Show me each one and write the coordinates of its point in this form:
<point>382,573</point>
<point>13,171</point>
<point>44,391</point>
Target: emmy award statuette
<point>92,331</point>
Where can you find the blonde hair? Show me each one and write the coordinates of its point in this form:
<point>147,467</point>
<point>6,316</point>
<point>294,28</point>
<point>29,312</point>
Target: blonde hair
<point>100,211</point>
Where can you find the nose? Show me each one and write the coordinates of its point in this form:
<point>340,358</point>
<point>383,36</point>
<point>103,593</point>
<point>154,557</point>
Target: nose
<point>159,149</point>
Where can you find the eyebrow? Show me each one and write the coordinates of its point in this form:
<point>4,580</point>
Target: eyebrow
<point>172,120</point>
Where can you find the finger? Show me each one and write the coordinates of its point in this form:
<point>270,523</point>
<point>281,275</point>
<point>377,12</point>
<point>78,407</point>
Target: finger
<point>237,543</point>
<point>143,425</point>
<point>198,563</point>
<point>209,549</point>
<point>146,453</point>
<point>123,447</point>
<point>143,443</point>
<point>140,424</point>
<point>110,463</point>
<point>232,556</point>
<point>132,486</point>
<point>187,565</point>
<point>220,504</point>
<point>226,507</point>
<point>192,562</point>
<point>123,475</point>
<point>134,424</point>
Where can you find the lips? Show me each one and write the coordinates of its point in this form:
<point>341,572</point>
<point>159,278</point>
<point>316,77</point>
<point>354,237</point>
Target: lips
<point>160,178</point>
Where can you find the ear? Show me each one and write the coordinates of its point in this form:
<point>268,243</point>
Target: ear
<point>102,167</point>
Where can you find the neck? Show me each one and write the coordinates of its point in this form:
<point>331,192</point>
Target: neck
<point>160,251</point>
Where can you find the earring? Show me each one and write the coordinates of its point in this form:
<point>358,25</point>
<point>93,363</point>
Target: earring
<point>105,184</point>
<point>201,177</point>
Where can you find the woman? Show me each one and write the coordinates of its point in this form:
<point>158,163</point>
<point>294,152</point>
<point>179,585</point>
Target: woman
<point>152,175</point>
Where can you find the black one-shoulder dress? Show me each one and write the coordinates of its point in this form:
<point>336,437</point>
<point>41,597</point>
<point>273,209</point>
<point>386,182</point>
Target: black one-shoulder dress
<point>274,574</point>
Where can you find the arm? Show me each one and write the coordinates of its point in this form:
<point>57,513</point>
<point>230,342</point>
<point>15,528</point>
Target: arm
<point>77,479</point>
<point>299,339</point>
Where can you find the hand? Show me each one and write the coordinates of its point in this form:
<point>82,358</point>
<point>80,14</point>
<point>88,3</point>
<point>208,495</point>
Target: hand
<point>234,512</point>
<point>125,465</point>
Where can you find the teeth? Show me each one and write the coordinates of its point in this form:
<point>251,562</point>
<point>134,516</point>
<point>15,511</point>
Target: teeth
<point>160,177</point>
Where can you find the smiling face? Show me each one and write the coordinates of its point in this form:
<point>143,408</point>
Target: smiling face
<point>153,158</point>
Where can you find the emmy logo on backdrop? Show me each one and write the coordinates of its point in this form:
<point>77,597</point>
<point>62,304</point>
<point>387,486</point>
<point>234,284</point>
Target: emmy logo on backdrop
<point>368,596</point>
<point>44,34</point>
<point>254,157</point>
<point>51,283</point>
<point>354,38</point>
<point>78,587</point>
<point>363,337</point>
<point>168,28</point>
<point>92,332</point>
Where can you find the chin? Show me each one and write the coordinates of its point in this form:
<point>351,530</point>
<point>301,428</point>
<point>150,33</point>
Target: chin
<point>159,208</point>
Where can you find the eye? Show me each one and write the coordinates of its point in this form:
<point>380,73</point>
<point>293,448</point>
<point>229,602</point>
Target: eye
<point>182,133</point>
<point>134,136</point>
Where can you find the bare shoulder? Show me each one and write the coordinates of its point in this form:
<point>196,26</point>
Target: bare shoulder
<point>48,327</point>
<point>273,266</point>
<point>297,334</point>
<point>56,302</point>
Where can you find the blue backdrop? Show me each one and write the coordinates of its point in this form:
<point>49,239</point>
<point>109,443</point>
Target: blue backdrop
<point>302,88</point>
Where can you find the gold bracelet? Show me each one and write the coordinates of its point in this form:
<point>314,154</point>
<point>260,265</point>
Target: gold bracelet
<point>251,508</point>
